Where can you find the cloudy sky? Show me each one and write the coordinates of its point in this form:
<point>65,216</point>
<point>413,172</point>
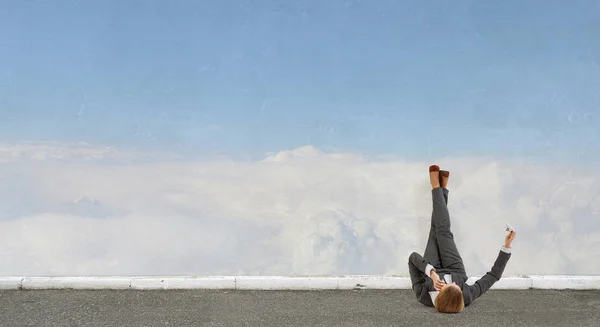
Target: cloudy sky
<point>293,137</point>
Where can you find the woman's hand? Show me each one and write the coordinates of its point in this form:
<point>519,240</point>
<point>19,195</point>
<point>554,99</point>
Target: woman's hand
<point>437,282</point>
<point>509,238</point>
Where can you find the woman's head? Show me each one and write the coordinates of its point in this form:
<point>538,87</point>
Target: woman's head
<point>450,299</point>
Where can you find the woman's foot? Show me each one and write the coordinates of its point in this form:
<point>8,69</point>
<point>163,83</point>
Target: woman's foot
<point>434,176</point>
<point>444,176</point>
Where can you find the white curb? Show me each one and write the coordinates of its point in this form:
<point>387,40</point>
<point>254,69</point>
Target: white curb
<point>285,283</point>
<point>82,283</point>
<point>373,282</point>
<point>506,283</point>
<point>181,283</point>
<point>279,282</point>
<point>10,283</point>
<point>566,282</point>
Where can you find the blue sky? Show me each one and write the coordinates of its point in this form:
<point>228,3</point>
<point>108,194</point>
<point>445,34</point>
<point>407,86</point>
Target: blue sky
<point>409,78</point>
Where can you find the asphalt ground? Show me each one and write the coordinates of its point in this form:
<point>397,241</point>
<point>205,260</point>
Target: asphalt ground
<point>290,308</point>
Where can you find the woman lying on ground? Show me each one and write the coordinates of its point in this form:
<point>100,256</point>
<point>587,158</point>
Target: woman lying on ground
<point>438,277</point>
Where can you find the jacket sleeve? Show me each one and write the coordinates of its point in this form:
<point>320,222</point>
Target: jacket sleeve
<point>490,278</point>
<point>421,285</point>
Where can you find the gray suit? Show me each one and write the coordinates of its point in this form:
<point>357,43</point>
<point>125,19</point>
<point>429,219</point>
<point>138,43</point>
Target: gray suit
<point>442,254</point>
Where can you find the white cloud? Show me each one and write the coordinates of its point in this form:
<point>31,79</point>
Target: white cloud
<point>296,212</point>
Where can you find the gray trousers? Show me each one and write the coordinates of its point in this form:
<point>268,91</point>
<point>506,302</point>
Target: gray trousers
<point>441,251</point>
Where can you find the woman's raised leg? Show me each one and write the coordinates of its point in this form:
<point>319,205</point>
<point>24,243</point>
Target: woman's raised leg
<point>444,176</point>
<point>432,254</point>
<point>449,256</point>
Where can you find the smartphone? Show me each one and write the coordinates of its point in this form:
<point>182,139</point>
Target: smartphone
<point>509,228</point>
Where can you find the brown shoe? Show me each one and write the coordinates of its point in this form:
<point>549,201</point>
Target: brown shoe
<point>444,175</point>
<point>434,176</point>
<point>434,168</point>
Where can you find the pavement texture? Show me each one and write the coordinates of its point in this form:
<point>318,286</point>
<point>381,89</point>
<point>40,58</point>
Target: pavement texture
<point>290,308</point>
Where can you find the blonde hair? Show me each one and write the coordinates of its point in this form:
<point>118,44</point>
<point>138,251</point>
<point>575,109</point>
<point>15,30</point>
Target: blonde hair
<point>449,300</point>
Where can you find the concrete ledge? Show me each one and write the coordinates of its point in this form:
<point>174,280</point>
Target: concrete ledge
<point>87,283</point>
<point>285,283</point>
<point>565,282</point>
<point>179,283</point>
<point>10,283</point>
<point>373,282</point>
<point>279,282</point>
<point>507,283</point>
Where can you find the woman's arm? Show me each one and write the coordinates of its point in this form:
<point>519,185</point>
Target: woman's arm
<point>421,285</point>
<point>416,268</point>
<point>490,278</point>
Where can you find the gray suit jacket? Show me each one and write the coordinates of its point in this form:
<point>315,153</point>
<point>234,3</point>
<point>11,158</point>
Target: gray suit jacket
<point>422,284</point>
